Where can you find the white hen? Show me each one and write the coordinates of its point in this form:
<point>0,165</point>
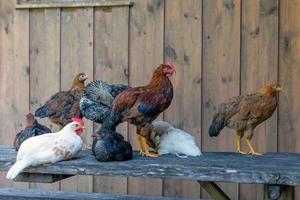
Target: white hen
<point>170,140</point>
<point>49,148</point>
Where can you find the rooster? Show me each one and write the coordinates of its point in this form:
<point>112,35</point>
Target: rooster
<point>244,113</point>
<point>141,105</point>
<point>97,98</point>
<point>49,148</point>
<point>33,128</point>
<point>64,105</point>
<point>171,140</point>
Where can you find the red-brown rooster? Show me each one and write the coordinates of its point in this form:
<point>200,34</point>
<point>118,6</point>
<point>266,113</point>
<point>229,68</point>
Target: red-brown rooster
<point>141,105</point>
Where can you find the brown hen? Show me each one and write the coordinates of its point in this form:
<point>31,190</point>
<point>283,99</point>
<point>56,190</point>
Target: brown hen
<point>244,113</point>
<point>64,105</point>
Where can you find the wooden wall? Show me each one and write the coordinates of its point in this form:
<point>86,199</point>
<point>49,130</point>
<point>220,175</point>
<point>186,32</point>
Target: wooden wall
<point>221,48</point>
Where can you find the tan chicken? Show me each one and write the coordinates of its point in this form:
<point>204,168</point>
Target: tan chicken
<point>244,113</point>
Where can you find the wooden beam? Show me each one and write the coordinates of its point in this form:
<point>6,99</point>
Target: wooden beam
<point>21,194</point>
<point>74,4</point>
<point>213,190</point>
<point>279,192</point>
<point>40,178</point>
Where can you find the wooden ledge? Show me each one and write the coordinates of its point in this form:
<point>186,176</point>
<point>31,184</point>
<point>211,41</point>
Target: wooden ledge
<point>271,168</point>
<point>71,4</point>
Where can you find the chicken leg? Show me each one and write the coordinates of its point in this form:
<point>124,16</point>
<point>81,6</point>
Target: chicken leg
<point>239,136</point>
<point>248,141</point>
<point>144,151</point>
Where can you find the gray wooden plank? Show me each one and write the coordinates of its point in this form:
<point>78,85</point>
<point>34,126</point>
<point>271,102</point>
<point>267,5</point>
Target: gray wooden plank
<point>13,193</point>
<point>272,168</point>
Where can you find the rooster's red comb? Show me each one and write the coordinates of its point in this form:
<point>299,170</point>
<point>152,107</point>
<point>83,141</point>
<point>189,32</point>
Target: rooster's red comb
<point>76,119</point>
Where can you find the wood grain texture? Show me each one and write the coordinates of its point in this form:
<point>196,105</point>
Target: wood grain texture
<point>289,71</point>
<point>71,4</point>
<point>221,70</point>
<point>146,53</point>
<point>44,64</point>
<point>183,49</point>
<point>214,190</point>
<point>111,65</point>
<point>14,78</point>
<point>259,61</point>
<point>272,168</point>
<point>77,56</point>
<point>21,194</point>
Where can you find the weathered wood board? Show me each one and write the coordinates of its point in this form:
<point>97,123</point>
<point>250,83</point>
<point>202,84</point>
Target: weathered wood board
<point>21,194</point>
<point>272,168</point>
<point>220,70</point>
<point>259,61</point>
<point>183,49</point>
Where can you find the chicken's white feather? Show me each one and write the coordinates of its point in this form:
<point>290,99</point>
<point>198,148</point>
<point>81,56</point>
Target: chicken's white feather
<point>42,149</point>
<point>170,140</point>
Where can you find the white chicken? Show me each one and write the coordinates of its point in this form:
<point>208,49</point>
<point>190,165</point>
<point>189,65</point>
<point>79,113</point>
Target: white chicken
<point>170,140</point>
<point>49,148</point>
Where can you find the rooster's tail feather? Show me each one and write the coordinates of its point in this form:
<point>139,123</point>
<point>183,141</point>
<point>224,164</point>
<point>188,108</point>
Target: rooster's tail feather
<point>215,128</point>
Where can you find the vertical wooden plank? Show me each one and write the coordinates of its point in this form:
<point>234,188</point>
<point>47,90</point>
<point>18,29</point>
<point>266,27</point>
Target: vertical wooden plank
<point>111,65</point>
<point>221,71</point>
<point>259,61</point>
<point>14,78</point>
<point>146,53</point>
<point>44,64</point>
<point>76,57</point>
<point>183,48</point>
<point>289,72</point>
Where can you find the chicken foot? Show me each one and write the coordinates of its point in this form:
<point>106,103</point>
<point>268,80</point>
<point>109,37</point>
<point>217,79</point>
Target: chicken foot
<point>252,151</point>
<point>239,136</point>
<point>249,143</point>
<point>144,151</point>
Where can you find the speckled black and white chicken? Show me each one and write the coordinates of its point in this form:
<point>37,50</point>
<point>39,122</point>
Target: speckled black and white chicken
<point>110,146</point>
<point>97,98</point>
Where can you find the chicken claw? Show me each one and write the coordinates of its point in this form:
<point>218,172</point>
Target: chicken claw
<point>252,152</point>
<point>148,154</point>
<point>144,151</point>
<point>255,153</point>
<point>241,152</point>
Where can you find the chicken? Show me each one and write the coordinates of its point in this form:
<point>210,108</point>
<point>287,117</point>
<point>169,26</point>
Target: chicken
<point>49,148</point>
<point>111,146</point>
<point>33,128</point>
<point>97,98</point>
<point>170,140</point>
<point>64,105</point>
<point>141,105</point>
<point>244,113</point>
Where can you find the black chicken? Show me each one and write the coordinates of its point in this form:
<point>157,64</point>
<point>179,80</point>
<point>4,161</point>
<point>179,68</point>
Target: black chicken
<point>111,146</point>
<point>97,98</point>
<point>33,128</point>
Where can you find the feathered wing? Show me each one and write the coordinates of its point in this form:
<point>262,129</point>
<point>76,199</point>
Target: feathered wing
<point>28,155</point>
<point>225,111</point>
<point>171,140</point>
<point>97,98</point>
<point>116,89</point>
<point>54,106</point>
